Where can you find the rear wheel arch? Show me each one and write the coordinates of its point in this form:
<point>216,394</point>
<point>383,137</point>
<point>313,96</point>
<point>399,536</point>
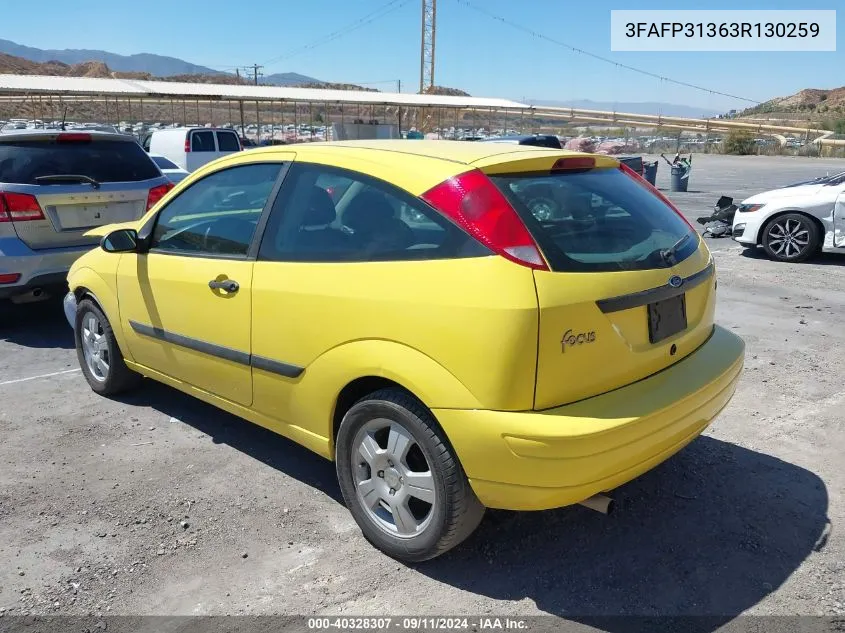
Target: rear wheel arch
<point>359,389</point>
<point>338,378</point>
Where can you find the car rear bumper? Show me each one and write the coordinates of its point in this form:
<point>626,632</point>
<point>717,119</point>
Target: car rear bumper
<point>546,459</point>
<point>45,268</point>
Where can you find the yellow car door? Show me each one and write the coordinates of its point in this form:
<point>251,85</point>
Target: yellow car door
<point>341,261</point>
<point>185,301</point>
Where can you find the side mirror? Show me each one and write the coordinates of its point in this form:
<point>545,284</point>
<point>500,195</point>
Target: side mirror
<point>120,241</point>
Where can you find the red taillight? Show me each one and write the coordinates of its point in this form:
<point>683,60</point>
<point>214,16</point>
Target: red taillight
<point>474,203</point>
<point>73,137</point>
<point>19,207</point>
<point>574,162</point>
<point>645,183</point>
<point>187,144</point>
<point>9,278</point>
<point>157,193</point>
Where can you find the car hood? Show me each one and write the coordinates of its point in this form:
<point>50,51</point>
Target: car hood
<point>803,191</point>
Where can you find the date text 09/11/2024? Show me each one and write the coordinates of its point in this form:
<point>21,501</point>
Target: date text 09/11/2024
<point>416,623</point>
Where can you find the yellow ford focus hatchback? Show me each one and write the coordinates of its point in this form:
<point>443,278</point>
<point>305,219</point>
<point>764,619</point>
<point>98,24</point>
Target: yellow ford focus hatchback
<point>458,325</point>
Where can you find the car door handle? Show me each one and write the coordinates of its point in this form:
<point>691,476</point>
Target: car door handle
<point>229,285</point>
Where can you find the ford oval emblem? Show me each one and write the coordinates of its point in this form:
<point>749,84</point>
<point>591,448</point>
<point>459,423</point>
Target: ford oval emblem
<point>675,281</point>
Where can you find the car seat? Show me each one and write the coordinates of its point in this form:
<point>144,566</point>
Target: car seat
<point>315,232</point>
<point>374,225</point>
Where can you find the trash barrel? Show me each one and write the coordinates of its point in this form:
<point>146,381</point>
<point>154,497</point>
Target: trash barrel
<point>679,178</point>
<point>650,171</point>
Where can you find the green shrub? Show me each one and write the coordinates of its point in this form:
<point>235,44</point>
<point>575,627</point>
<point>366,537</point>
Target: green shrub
<point>739,142</point>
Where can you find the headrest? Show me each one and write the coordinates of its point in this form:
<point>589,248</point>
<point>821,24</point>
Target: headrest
<point>367,211</point>
<point>320,208</point>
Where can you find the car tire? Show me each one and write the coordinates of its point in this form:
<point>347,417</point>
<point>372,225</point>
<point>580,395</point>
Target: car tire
<point>98,353</point>
<point>791,237</point>
<point>385,443</point>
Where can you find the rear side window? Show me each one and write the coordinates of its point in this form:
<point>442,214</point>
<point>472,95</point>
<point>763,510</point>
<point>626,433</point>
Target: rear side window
<point>22,162</point>
<point>228,142</point>
<point>202,141</point>
<point>324,214</point>
<point>597,220</point>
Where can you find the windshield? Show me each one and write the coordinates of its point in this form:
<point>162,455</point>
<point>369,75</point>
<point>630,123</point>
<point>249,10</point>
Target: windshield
<point>598,220</point>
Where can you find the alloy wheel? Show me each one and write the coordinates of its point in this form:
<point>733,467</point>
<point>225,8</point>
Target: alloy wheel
<point>788,238</point>
<point>393,478</point>
<point>95,347</point>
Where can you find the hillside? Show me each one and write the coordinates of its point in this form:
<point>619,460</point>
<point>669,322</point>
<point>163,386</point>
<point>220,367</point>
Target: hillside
<point>446,92</point>
<point>823,102</point>
<point>634,107</point>
<point>158,65</point>
<point>167,68</point>
<point>289,79</point>
<point>19,66</point>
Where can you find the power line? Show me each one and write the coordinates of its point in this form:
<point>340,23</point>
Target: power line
<point>575,49</point>
<point>250,70</point>
<point>369,18</point>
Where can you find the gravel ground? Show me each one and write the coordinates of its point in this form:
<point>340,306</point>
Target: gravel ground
<point>159,504</point>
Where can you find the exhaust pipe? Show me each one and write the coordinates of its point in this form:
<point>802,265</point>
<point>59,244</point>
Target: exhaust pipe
<point>599,503</point>
<point>36,294</point>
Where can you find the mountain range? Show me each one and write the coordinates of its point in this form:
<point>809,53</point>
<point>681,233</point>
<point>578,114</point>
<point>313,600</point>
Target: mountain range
<point>637,107</point>
<point>155,65</point>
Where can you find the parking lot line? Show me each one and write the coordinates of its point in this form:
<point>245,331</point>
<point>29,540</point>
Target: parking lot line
<point>55,373</point>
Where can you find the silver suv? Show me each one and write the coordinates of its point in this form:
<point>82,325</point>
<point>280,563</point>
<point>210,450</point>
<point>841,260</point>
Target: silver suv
<point>55,186</point>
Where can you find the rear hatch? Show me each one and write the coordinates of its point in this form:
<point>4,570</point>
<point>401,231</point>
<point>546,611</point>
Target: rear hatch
<point>630,287</point>
<point>54,187</point>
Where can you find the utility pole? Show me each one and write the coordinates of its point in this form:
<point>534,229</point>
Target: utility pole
<point>253,70</point>
<point>427,39</point>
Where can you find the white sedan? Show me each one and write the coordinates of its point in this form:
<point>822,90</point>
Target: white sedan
<point>794,223</point>
<point>171,170</point>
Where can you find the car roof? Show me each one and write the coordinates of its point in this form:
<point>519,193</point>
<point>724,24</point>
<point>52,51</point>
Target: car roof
<point>188,129</point>
<point>517,137</point>
<point>463,152</point>
<point>33,134</point>
<point>415,165</point>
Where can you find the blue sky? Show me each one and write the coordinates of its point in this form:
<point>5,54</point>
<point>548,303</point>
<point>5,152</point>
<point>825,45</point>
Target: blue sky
<point>473,52</point>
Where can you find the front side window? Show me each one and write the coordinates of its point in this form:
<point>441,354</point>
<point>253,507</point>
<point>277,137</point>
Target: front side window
<point>202,141</point>
<point>324,214</point>
<point>217,215</point>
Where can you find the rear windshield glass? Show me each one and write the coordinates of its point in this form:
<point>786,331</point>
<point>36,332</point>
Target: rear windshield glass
<point>598,220</point>
<point>228,142</point>
<point>21,162</point>
<point>164,163</point>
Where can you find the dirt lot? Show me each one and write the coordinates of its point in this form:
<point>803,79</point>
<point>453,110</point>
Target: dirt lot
<point>158,504</point>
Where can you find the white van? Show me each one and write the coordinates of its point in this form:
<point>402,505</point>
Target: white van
<point>191,148</point>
